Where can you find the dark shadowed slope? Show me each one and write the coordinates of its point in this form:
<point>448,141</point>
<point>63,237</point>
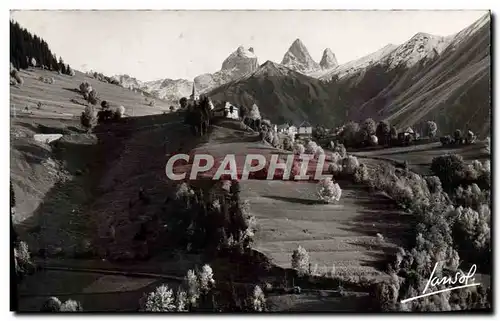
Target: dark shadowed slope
<point>454,91</point>
<point>281,94</point>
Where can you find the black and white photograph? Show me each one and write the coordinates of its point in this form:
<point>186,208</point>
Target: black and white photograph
<point>250,161</point>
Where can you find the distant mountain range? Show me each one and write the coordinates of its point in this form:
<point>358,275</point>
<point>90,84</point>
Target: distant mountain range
<point>446,79</point>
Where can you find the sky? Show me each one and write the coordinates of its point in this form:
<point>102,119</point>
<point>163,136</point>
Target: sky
<point>152,45</point>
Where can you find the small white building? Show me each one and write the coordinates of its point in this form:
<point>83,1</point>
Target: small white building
<point>228,111</point>
<point>292,130</point>
<point>305,129</point>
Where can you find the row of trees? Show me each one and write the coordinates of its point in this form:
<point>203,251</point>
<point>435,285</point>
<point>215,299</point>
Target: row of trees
<point>199,293</point>
<point>28,50</point>
<point>369,133</point>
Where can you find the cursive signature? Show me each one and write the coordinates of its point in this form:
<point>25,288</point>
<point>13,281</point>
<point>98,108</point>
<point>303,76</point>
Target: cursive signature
<point>460,278</point>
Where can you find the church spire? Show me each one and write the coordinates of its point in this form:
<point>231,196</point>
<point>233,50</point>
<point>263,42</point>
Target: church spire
<point>193,94</point>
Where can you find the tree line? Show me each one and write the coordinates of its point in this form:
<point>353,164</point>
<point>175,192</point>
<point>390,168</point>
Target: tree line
<point>28,50</point>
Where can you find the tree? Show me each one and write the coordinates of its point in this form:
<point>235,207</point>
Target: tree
<point>88,118</point>
<point>258,303</point>
<point>71,306</point>
<point>183,102</point>
<point>300,261</point>
<point>311,147</point>
<point>431,129</point>
<point>449,168</point>
<point>394,133</point>
<point>52,304</point>
<point>206,278</point>
<point>457,135</point>
<point>328,191</point>
<point>92,97</point>
<point>254,112</point>
<point>350,133</point>
<point>160,300</point>
<point>350,164</point>
<point>383,132</point>
<point>298,149</point>
<point>369,127</point>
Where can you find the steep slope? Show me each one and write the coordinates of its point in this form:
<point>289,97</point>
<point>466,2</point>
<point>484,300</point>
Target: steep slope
<point>354,66</point>
<point>298,58</point>
<point>451,88</point>
<point>421,46</point>
<point>239,63</point>
<point>282,94</point>
<point>454,91</point>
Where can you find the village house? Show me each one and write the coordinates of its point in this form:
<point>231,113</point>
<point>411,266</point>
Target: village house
<point>227,111</point>
<point>305,129</point>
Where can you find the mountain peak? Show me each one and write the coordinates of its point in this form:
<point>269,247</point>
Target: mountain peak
<point>298,58</point>
<point>242,61</point>
<point>328,60</point>
<point>421,46</point>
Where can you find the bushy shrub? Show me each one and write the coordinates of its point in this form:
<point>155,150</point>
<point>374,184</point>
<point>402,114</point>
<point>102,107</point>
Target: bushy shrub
<point>362,175</point>
<point>287,143</point>
<point>183,190</point>
<point>71,306</point>
<point>85,87</point>
<point>22,258</point>
<point>328,191</point>
<point>254,112</point>
<point>193,288</point>
<point>449,168</point>
<point>298,149</point>
<point>119,112</point>
<point>300,260</point>
<point>88,118</point>
<point>434,184</point>
<point>17,76</point>
<point>206,278</point>
<point>431,129</point>
<point>52,304</point>
<point>319,151</point>
<point>160,300</point>
<point>350,164</point>
<point>258,299</point>
<point>340,148</point>
<point>92,97</point>
<point>386,294</point>
<point>181,300</point>
<point>311,147</point>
